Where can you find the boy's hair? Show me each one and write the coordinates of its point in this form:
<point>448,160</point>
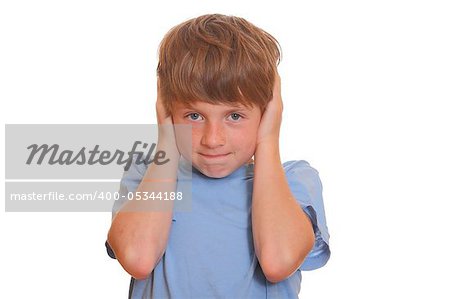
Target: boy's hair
<point>217,59</point>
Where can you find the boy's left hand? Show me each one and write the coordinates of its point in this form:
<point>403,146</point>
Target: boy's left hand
<point>269,127</point>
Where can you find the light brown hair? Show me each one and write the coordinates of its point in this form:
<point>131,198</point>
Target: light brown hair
<point>217,59</point>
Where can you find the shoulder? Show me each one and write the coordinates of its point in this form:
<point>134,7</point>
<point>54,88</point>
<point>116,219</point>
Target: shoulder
<point>300,168</point>
<point>135,167</point>
<point>134,171</point>
<point>303,178</point>
<point>131,178</point>
<point>293,165</point>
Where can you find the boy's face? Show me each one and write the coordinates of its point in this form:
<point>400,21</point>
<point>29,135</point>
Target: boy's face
<point>223,137</point>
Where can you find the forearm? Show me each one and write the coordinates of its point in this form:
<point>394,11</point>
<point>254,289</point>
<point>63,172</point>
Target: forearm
<point>282,232</point>
<point>140,230</point>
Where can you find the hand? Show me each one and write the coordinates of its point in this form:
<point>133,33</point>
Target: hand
<point>166,131</point>
<point>269,127</point>
<point>161,113</point>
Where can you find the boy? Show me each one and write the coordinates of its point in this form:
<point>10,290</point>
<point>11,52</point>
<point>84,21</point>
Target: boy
<point>253,225</point>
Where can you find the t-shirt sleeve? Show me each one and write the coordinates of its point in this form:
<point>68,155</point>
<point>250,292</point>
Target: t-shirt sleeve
<point>130,181</point>
<point>306,186</point>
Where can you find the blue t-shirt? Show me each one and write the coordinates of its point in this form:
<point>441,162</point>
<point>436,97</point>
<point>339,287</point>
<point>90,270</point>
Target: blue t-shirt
<point>210,251</point>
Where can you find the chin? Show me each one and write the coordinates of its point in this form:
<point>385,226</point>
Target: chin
<point>216,174</point>
<point>217,171</point>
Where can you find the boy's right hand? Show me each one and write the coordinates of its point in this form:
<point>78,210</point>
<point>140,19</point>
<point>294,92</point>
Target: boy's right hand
<point>161,113</point>
<point>166,130</point>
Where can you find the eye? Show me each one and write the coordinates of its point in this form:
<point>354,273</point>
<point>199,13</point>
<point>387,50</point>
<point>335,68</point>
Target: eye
<point>193,116</point>
<point>235,116</point>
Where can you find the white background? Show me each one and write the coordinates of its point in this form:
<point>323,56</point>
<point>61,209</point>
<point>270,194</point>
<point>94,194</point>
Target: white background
<point>365,86</point>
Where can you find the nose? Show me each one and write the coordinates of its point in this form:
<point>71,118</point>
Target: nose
<point>213,135</point>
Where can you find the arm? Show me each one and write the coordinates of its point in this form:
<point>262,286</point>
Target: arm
<point>282,233</point>
<point>140,230</point>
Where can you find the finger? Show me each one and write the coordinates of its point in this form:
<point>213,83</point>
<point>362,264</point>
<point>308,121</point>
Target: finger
<point>277,87</point>
<point>158,88</point>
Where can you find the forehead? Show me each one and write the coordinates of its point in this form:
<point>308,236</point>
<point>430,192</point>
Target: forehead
<point>200,105</point>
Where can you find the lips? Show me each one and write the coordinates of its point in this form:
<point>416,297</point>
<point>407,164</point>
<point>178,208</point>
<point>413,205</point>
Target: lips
<point>213,155</point>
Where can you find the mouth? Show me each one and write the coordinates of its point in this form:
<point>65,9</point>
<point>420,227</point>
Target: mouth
<point>214,156</point>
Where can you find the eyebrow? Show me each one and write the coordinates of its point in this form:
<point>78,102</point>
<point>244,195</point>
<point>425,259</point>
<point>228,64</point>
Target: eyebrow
<point>230,109</point>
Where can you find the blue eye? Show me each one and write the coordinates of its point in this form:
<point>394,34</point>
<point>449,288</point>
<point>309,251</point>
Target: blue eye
<point>194,116</point>
<point>235,116</point>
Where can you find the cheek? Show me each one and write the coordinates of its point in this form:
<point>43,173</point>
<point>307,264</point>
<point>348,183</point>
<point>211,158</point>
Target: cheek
<point>183,140</point>
<point>196,134</point>
<point>245,139</point>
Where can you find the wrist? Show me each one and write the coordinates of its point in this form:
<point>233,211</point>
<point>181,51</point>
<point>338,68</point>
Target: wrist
<point>167,142</point>
<point>268,149</point>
